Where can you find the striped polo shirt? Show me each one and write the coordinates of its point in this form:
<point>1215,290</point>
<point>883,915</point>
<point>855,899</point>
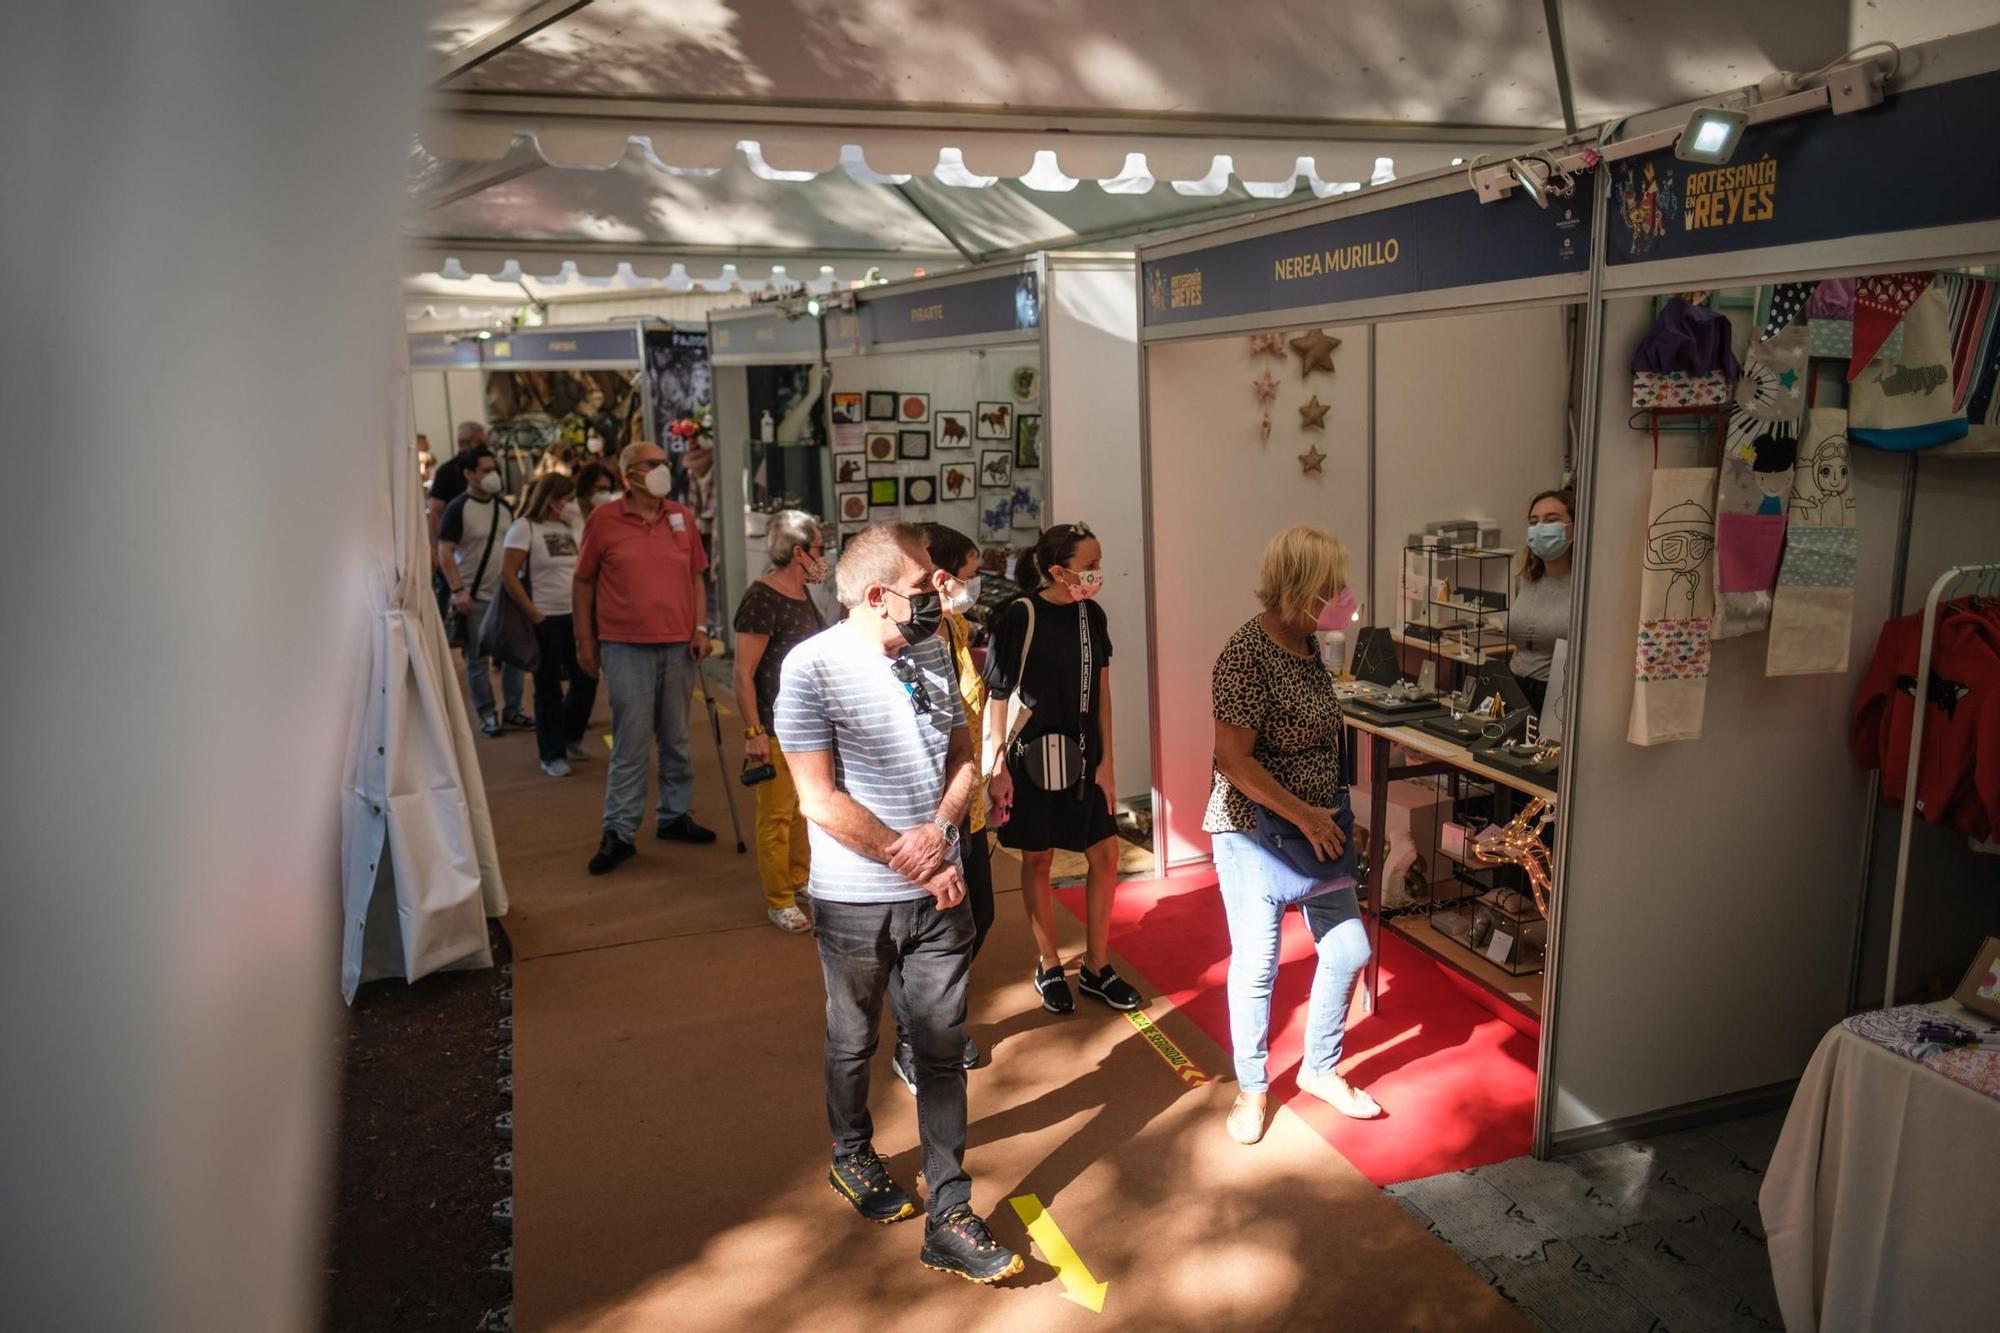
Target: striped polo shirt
<point>839,692</point>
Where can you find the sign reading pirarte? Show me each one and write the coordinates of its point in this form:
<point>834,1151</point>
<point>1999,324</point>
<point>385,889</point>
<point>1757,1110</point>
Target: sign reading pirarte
<point>1004,303</point>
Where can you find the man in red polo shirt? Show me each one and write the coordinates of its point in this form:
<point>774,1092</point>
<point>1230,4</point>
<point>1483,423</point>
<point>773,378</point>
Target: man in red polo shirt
<point>639,603</point>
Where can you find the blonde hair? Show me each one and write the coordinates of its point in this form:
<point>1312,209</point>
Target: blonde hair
<point>1301,566</point>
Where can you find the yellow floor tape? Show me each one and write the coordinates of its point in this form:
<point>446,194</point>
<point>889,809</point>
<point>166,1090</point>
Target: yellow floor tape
<point>1184,1069</point>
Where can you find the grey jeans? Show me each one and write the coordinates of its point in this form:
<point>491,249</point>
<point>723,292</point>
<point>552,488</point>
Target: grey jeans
<point>651,687</point>
<point>479,670</point>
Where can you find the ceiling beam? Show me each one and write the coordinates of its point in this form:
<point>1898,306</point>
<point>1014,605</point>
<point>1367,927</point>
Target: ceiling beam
<point>937,224</point>
<point>827,116</point>
<point>1559,49</point>
<point>476,179</point>
<point>505,37</point>
<point>652,252</point>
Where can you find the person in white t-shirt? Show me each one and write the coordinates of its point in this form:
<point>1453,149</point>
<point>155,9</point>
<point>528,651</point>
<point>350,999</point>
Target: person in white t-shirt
<point>540,565</point>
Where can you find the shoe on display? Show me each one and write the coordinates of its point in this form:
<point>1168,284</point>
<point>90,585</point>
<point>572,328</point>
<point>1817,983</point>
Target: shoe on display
<point>490,724</point>
<point>904,1062</point>
<point>555,768</point>
<point>1055,991</point>
<point>1109,987</point>
<point>519,720</point>
<point>959,1243</point>
<point>1246,1118</point>
<point>610,851</point>
<point>970,1058</point>
<point>576,751</point>
<point>684,829</point>
<point>863,1180</point>
<point>789,919</point>
<point>1341,1095</point>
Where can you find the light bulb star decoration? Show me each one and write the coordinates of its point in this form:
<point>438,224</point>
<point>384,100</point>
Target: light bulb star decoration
<point>1315,351</point>
<point>1312,416</point>
<point>1310,460</point>
<point>1266,387</point>
<point>1520,844</point>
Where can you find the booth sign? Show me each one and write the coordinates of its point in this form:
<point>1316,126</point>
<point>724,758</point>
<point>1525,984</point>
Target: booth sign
<point>1009,303</point>
<point>564,347</point>
<point>439,351</point>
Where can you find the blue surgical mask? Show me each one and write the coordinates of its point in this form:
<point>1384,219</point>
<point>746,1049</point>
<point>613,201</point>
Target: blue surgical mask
<point>1550,541</point>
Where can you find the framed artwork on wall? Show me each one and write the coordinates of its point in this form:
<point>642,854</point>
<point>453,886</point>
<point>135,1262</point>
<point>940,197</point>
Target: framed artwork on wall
<point>1027,440</point>
<point>956,482</point>
<point>848,468</point>
<point>954,429</point>
<point>853,506</point>
<point>1026,509</point>
<point>995,421</point>
<point>881,447</point>
<point>884,492</point>
<point>881,405</point>
<point>913,444</point>
<point>996,514</point>
<point>913,409</point>
<point>996,469</point>
<point>847,409</point>
<point>920,490</point>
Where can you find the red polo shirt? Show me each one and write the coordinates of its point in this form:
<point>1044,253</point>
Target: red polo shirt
<point>644,572</point>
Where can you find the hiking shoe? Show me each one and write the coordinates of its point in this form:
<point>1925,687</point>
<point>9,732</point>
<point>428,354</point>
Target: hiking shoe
<point>864,1181</point>
<point>576,751</point>
<point>960,1243</point>
<point>904,1062</point>
<point>1109,987</point>
<point>1055,991</point>
<point>971,1056</point>
<point>490,724</point>
<point>610,852</point>
<point>519,720</point>
<point>555,768</point>
<point>789,919</point>
<point>684,829</point>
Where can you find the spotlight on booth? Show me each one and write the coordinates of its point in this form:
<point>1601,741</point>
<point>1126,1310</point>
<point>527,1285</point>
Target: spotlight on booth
<point>1711,135</point>
<point>814,306</point>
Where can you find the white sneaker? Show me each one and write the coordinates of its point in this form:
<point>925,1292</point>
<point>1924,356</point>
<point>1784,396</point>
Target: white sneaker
<point>789,919</point>
<point>577,750</point>
<point>555,768</point>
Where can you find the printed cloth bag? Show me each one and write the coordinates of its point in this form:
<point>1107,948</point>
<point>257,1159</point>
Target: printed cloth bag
<point>1687,359</point>
<point>1909,402</point>
<point>1830,319</point>
<point>1788,302</point>
<point>1879,306</point>
<point>1812,611</point>
<point>1676,608</point>
<point>1772,390</point>
<point>1751,496</point>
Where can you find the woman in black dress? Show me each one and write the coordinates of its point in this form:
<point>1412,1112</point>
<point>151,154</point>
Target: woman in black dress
<point>1053,787</point>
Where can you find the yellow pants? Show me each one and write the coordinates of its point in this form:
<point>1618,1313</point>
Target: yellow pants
<point>784,857</point>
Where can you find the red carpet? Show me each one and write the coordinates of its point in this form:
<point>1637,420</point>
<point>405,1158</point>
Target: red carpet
<point>1458,1084</point>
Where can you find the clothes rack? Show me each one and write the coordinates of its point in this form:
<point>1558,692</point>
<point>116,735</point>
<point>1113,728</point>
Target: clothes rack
<point>1952,577</point>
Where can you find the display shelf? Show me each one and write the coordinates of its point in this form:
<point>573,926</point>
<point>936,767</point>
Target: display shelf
<point>1454,601</point>
<point>1522,995</point>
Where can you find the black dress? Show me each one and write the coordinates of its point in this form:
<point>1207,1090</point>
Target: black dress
<point>1052,685</point>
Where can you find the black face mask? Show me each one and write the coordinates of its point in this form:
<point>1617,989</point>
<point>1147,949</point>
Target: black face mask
<point>926,614</point>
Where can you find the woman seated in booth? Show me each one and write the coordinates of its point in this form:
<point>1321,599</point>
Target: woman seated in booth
<point>1540,611</point>
<point>1278,730</point>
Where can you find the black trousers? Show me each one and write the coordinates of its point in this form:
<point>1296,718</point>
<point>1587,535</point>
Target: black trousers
<point>561,717</point>
<point>863,947</point>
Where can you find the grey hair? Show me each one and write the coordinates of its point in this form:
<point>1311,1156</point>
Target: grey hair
<point>789,532</point>
<point>630,454</point>
<point>875,556</point>
<point>470,432</point>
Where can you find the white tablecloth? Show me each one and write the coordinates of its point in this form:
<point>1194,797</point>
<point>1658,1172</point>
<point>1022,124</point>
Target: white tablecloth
<point>1882,1202</point>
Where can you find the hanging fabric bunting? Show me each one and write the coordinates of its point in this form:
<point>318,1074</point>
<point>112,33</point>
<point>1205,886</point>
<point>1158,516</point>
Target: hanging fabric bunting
<point>1812,612</point>
<point>1788,302</point>
<point>1907,403</point>
<point>1832,298</point>
<point>1750,499</point>
<point>1982,408</point>
<point>1676,608</point>
<point>1879,305</point>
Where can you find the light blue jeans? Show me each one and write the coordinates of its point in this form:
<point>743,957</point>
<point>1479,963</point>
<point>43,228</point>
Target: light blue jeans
<point>1338,932</point>
<point>651,687</point>
<point>479,671</point>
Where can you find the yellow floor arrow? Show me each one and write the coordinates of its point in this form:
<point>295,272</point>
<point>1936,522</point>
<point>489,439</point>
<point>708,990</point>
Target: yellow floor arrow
<point>1078,1284</point>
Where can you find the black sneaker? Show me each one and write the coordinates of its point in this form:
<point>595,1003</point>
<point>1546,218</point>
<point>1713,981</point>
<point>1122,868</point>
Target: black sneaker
<point>864,1181</point>
<point>519,720</point>
<point>684,829</point>
<point>904,1062</point>
<point>960,1243</point>
<point>610,852</point>
<point>1109,987</point>
<point>490,724</point>
<point>1055,991</point>
<point>971,1057</point>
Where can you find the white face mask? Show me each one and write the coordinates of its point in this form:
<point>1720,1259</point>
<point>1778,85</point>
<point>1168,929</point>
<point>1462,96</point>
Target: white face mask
<point>659,481</point>
<point>595,445</point>
<point>601,498</point>
<point>965,598</point>
<point>490,483</point>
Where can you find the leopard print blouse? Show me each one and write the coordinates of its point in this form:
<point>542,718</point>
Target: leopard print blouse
<point>1289,702</point>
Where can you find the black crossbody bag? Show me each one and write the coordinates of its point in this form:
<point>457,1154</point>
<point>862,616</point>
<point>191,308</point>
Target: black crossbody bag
<point>1054,761</point>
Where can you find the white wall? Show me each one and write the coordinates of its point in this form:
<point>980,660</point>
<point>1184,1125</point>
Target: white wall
<point>430,413</point>
<point>1093,456</point>
<point>1219,494</point>
<point>1710,889</point>
<point>1469,421</point>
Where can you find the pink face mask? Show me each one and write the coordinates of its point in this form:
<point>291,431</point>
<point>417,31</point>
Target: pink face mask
<point>1339,611</point>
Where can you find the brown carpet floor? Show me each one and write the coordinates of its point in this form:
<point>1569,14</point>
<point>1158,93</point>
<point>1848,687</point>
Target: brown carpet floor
<point>671,1145</point>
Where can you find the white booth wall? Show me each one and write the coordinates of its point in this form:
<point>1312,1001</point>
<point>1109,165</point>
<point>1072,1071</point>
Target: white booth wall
<point>440,399</point>
<point>1736,855</point>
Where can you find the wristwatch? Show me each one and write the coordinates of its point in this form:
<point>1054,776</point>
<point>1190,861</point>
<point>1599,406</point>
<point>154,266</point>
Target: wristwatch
<point>950,831</point>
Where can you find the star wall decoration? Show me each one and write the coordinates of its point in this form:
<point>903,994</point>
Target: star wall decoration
<point>1267,344</point>
<point>1266,387</point>
<point>1310,460</point>
<point>1315,351</point>
<point>1312,416</point>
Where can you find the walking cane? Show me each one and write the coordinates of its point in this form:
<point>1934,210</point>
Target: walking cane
<point>722,765</point>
